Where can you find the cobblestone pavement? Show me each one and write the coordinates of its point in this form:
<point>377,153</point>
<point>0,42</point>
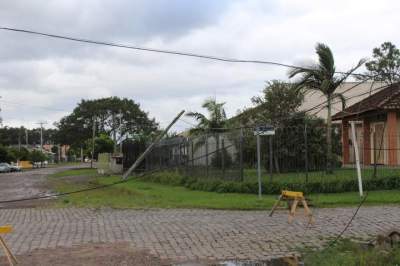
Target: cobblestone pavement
<point>189,235</point>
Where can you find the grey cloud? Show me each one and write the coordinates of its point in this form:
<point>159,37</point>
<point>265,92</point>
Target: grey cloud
<point>125,21</point>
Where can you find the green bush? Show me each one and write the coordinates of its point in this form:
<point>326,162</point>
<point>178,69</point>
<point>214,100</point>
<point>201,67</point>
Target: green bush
<point>221,186</point>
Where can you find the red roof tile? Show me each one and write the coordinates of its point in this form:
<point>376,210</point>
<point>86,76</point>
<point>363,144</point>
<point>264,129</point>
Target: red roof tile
<point>385,99</point>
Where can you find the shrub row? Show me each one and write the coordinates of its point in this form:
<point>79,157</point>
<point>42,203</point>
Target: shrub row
<point>221,186</point>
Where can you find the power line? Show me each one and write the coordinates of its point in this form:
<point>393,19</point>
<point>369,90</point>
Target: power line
<point>170,52</point>
<point>111,184</point>
<point>35,106</point>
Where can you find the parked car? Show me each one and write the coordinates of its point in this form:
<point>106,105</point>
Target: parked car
<point>4,168</point>
<point>15,168</point>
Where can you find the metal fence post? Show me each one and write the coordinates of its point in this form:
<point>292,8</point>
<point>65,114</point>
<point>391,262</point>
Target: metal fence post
<point>206,136</point>
<point>192,153</point>
<point>223,157</point>
<point>187,155</point>
<point>241,154</point>
<point>180,155</point>
<point>259,166</point>
<point>159,156</point>
<point>306,151</point>
<point>270,159</point>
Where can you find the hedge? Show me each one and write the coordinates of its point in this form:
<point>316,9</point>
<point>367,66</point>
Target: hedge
<point>221,186</point>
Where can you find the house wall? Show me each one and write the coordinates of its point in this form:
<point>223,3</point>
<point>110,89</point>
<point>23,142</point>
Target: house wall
<point>373,149</point>
<point>200,151</point>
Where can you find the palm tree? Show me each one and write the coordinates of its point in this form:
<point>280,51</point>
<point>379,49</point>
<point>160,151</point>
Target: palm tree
<point>216,120</point>
<point>214,123</point>
<point>322,77</point>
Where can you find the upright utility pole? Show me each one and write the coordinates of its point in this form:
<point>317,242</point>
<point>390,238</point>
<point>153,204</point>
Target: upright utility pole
<point>19,139</point>
<point>41,123</point>
<point>26,138</point>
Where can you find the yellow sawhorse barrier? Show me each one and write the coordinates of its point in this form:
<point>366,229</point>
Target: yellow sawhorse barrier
<point>10,257</point>
<point>296,197</point>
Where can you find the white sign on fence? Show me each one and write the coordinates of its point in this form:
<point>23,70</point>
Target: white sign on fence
<point>264,130</point>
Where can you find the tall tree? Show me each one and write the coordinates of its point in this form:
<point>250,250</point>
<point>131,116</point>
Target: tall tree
<point>113,116</point>
<point>214,122</point>
<point>277,101</point>
<point>322,77</point>
<point>385,63</point>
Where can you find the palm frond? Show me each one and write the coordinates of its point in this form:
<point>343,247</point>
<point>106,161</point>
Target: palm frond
<point>196,115</point>
<point>326,60</point>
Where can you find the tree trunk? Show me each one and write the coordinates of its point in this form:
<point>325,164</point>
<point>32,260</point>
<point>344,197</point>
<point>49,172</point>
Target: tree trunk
<point>329,169</point>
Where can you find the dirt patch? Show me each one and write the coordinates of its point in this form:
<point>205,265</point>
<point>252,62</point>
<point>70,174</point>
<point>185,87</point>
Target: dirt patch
<point>28,184</point>
<point>89,255</point>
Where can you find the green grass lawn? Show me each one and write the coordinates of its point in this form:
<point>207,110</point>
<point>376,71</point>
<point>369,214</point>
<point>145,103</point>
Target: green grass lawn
<point>141,194</point>
<point>352,254</point>
<point>76,172</point>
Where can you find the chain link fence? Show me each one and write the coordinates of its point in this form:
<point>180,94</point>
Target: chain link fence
<point>299,152</point>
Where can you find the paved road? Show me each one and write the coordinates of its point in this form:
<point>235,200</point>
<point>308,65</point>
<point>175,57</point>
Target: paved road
<point>187,235</point>
<point>178,235</point>
<point>27,184</point>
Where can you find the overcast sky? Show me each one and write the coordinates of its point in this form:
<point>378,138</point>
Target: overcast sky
<point>43,78</point>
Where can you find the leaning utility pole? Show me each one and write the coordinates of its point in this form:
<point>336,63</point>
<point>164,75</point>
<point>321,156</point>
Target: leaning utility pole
<point>41,123</point>
<point>144,154</point>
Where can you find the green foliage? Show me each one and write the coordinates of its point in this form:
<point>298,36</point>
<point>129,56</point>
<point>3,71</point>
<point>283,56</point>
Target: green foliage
<point>112,115</point>
<point>19,154</point>
<point>275,187</point>
<point>145,193</point>
<point>352,254</point>
<point>385,65</point>
<point>278,100</point>
<point>6,155</point>
<point>322,78</point>
<point>215,121</point>
<point>102,144</point>
<point>142,194</point>
<point>17,135</point>
<point>37,156</point>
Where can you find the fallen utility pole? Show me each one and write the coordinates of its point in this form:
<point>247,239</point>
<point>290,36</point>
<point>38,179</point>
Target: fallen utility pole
<point>144,154</point>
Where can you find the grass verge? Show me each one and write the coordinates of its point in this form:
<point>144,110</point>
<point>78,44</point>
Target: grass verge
<point>352,254</point>
<point>143,194</point>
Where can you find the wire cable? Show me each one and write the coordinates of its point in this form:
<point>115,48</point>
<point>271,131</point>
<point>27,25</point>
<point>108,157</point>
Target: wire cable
<point>37,197</point>
<point>171,52</point>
